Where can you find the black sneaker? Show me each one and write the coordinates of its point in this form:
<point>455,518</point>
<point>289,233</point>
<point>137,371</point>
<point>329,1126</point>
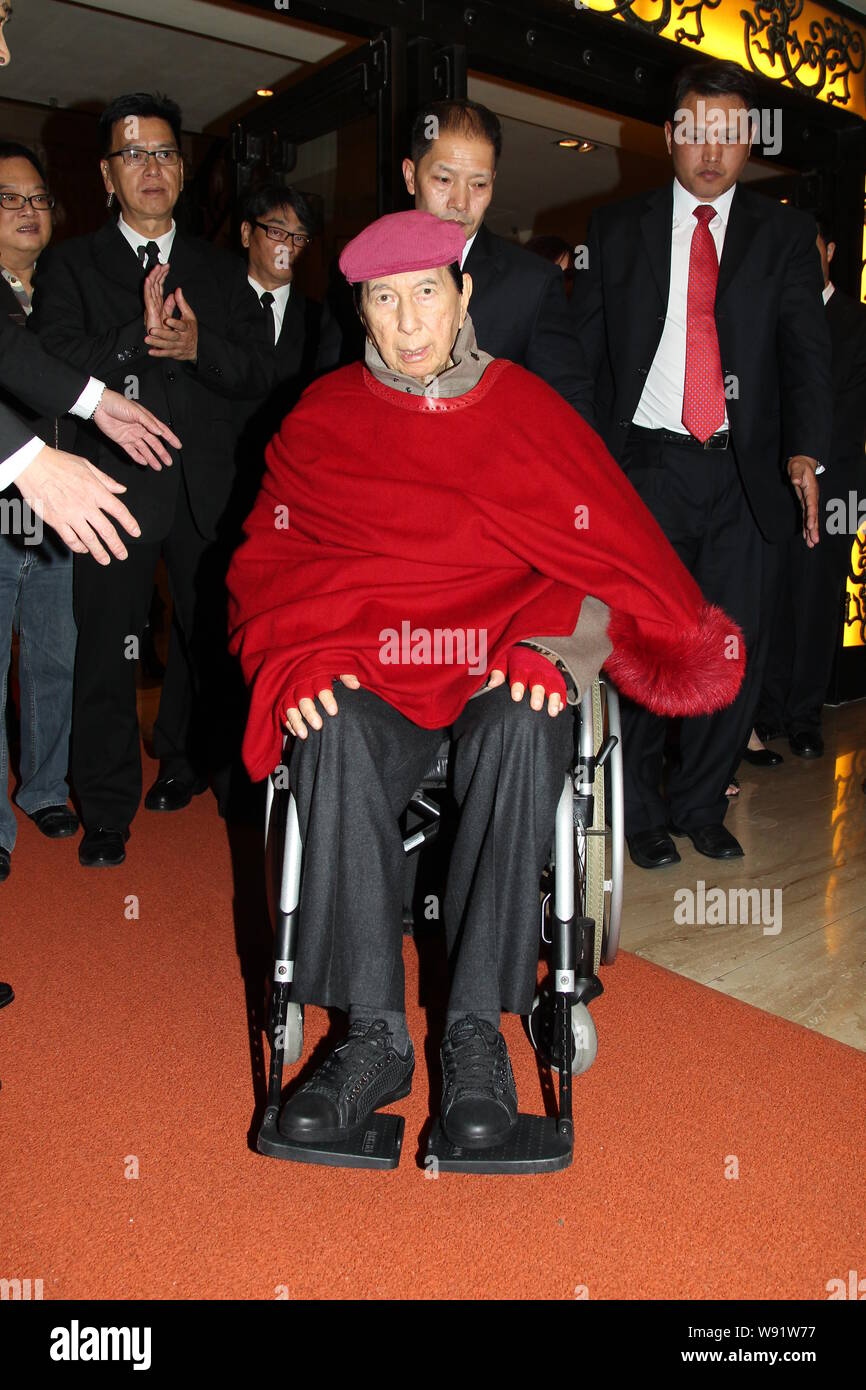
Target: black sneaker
<point>363,1073</point>
<point>479,1097</point>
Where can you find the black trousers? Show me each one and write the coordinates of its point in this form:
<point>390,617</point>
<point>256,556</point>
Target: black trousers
<point>805,630</point>
<point>698,500</point>
<point>354,778</point>
<point>111,607</point>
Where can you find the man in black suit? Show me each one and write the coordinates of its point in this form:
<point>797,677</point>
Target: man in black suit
<point>519,305</point>
<point>805,625</point>
<point>700,313</point>
<point>277,224</point>
<point>171,321</point>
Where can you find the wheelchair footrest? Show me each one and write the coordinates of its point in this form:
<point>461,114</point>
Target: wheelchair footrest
<point>535,1145</point>
<point>377,1145</point>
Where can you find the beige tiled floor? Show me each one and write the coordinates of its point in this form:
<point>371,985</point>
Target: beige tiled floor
<point>803,829</point>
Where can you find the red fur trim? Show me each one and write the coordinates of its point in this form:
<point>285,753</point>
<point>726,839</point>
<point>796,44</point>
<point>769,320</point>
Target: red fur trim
<point>694,671</point>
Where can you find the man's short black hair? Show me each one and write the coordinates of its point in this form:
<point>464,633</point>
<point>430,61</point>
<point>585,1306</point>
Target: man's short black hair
<point>456,276</point>
<point>269,197</point>
<point>144,104</point>
<point>826,226</point>
<point>9,149</point>
<point>467,118</point>
<point>717,79</point>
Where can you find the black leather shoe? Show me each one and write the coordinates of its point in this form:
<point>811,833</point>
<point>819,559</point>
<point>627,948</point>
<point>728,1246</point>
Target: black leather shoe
<point>762,757</point>
<point>170,794</point>
<point>807,745</point>
<point>479,1097</point>
<point>5,864</point>
<point>7,994</point>
<point>55,821</point>
<point>356,1078</point>
<point>712,840</point>
<point>102,848</point>
<point>652,849</point>
<point>767,732</point>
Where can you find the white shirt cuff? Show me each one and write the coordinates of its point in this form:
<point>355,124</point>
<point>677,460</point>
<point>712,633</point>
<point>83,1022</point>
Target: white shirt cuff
<point>17,462</point>
<point>88,400</point>
<point>819,469</point>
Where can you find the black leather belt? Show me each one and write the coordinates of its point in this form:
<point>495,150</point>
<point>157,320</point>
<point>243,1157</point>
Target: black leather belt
<point>688,441</point>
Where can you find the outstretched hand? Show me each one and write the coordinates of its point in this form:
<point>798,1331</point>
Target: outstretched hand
<point>77,499</point>
<point>136,431</point>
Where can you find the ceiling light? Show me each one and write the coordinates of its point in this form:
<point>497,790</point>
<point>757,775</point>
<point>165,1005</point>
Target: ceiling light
<point>264,92</point>
<point>572,142</point>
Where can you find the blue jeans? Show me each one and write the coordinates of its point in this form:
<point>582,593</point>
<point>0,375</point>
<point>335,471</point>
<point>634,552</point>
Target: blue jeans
<point>36,597</point>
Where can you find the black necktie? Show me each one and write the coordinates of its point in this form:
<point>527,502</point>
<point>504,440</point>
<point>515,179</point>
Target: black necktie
<point>266,301</point>
<point>148,255</point>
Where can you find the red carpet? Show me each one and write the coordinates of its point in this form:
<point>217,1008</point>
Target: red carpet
<point>128,1042</point>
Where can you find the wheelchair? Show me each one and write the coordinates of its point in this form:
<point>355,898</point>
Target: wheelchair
<point>580,913</point>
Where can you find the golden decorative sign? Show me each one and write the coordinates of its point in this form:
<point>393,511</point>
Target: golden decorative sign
<point>854,629</point>
<point>808,47</point>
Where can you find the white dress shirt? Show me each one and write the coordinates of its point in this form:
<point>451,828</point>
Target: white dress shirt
<point>661,404</point>
<point>137,239</point>
<point>278,307</point>
<point>466,249</point>
<point>827,291</point>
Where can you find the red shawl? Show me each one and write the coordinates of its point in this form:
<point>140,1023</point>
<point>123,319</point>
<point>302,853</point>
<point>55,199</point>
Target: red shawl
<point>387,519</point>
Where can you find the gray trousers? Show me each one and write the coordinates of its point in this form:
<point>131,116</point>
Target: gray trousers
<point>353,779</point>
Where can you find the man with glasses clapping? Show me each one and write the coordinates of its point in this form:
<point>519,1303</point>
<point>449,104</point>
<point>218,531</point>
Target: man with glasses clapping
<point>168,320</point>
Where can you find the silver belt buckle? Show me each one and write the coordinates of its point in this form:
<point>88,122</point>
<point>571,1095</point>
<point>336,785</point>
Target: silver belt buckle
<point>708,443</point>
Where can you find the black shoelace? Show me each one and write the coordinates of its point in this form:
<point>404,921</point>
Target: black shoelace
<point>474,1046</point>
<point>369,1042</point>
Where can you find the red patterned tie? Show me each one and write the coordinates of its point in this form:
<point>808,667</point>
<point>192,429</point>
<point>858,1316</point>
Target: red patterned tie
<point>704,387</point>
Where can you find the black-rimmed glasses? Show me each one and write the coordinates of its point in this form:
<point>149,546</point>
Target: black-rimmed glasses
<point>136,158</point>
<point>40,202</point>
<point>280,234</point>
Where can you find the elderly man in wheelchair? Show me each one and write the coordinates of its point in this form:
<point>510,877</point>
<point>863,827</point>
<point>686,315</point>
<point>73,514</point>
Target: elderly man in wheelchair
<point>424,516</point>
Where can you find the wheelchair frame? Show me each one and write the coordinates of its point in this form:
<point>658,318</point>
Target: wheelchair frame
<point>583,909</point>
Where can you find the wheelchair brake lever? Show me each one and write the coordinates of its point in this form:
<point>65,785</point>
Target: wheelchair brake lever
<point>605,750</point>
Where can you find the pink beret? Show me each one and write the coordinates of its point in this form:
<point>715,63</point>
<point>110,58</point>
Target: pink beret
<point>399,242</point>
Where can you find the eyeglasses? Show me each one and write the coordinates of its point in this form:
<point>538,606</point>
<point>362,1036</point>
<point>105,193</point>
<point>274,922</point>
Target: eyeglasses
<point>40,202</point>
<point>135,158</point>
<point>279,234</point>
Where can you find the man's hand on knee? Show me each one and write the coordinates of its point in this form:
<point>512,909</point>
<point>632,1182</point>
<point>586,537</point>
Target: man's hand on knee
<point>305,712</point>
<point>529,668</point>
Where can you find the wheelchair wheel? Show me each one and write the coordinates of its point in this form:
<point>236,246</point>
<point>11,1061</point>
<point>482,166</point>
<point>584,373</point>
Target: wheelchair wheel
<point>584,1038</point>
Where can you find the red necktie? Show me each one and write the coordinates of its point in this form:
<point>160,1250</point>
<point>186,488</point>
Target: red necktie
<point>704,387</point>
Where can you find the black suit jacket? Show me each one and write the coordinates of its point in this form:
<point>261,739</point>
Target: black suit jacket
<point>309,344</point>
<point>55,429</point>
<point>29,376</point>
<point>773,336</point>
<point>88,309</point>
<point>520,311</point>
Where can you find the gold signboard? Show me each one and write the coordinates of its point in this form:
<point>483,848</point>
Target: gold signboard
<point>854,630</point>
<point>805,45</point>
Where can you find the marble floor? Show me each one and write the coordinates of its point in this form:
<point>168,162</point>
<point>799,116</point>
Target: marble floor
<point>801,952</point>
